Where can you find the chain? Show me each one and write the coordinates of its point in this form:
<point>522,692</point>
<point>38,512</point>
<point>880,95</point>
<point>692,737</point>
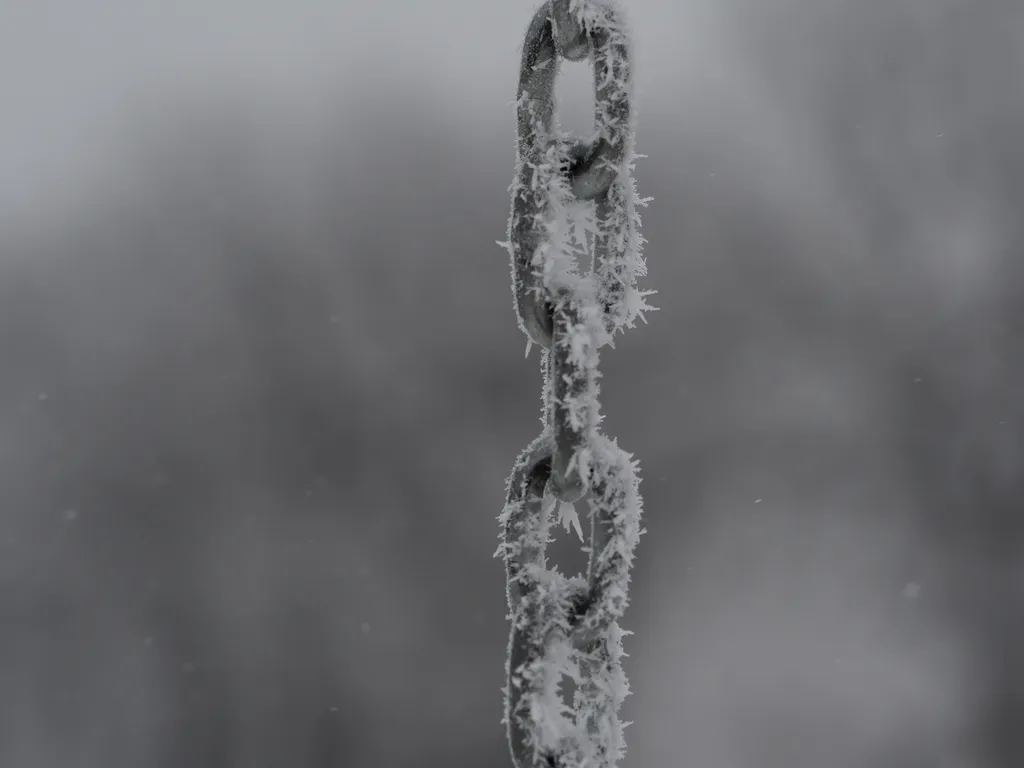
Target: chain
<point>571,198</point>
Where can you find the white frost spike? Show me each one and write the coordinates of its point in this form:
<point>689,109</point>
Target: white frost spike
<point>529,346</point>
<point>548,505</point>
<point>567,516</point>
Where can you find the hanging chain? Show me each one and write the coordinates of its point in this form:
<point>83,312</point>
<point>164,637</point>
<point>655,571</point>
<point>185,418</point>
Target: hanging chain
<point>571,198</point>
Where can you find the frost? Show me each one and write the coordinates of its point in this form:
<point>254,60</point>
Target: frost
<point>567,516</point>
<point>574,265</point>
<point>567,628</point>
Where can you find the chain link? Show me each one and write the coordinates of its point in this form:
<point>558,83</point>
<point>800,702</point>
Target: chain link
<point>571,198</point>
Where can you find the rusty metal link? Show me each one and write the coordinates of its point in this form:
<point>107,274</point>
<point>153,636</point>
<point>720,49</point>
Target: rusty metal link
<point>571,198</point>
<point>567,627</point>
<point>554,169</point>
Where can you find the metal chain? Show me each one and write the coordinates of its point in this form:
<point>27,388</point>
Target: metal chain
<point>571,198</point>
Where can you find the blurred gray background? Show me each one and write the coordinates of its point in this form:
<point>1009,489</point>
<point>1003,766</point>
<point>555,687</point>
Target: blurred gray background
<point>261,383</point>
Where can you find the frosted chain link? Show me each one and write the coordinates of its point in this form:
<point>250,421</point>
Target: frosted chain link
<point>571,198</point>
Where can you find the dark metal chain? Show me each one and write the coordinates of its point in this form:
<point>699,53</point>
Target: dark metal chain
<point>572,198</point>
